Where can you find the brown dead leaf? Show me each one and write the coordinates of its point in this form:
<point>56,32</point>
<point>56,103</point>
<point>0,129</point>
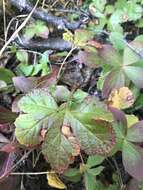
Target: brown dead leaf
<point>50,79</point>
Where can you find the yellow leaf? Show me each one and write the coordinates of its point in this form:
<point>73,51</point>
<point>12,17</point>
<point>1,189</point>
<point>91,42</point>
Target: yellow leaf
<point>54,181</point>
<point>68,36</point>
<point>131,119</point>
<point>121,98</point>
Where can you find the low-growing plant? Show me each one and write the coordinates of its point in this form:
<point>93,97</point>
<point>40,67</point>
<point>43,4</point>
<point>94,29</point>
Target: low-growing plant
<point>77,133</point>
<point>113,15</point>
<point>64,124</point>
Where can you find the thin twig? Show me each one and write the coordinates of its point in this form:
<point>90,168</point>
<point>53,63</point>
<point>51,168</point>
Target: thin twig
<point>31,173</point>
<point>4,20</point>
<point>119,173</point>
<point>62,65</point>
<point>11,22</point>
<point>19,29</point>
<point>15,165</point>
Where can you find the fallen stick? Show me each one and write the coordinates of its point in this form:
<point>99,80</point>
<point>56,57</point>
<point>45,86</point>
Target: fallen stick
<point>59,22</point>
<point>50,43</point>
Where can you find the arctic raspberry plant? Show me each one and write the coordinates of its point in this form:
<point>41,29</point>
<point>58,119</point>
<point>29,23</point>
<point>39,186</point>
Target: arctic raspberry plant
<point>121,68</point>
<point>65,124</point>
<point>64,129</point>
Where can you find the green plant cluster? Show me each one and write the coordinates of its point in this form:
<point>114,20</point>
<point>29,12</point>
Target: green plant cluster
<point>64,122</point>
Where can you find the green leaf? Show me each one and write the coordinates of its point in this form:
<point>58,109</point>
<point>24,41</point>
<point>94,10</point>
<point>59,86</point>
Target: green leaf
<point>29,32</point>
<point>133,64</point>
<point>90,131</point>
<point>120,121</point>
<point>61,93</point>
<point>134,73</point>
<point>37,28</point>
<point>130,56</point>
<point>37,107</point>
<point>3,85</point>
<point>113,187</point>
<point>139,38</point>
<point>24,69</point>
<point>117,39</point>
<point>96,8</point>
<point>95,171</point>
<point>28,129</point>
<point>139,23</point>
<point>82,36</point>
<point>116,18</point>
<point>39,101</point>
<point>44,63</point>
<point>135,132</point>
<point>102,22</point>
<point>87,138</point>
<point>73,174</point>
<point>22,56</point>
<point>131,120</point>
<point>109,9</point>
<point>99,4</point>
<point>79,95</point>
<point>138,103</point>
<point>6,75</point>
<point>57,148</point>
<point>133,160</point>
<point>90,181</point>
<point>41,29</point>
<point>120,4</point>
<point>114,27</point>
<point>94,136</point>
<point>94,160</point>
<point>110,56</point>
<point>134,11</point>
<point>93,109</point>
<point>36,69</point>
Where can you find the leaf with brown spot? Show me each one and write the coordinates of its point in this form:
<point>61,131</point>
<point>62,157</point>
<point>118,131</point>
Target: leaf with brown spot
<point>57,148</point>
<point>121,98</point>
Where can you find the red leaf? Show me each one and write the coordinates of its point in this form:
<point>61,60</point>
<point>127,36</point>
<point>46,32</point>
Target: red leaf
<point>48,80</point>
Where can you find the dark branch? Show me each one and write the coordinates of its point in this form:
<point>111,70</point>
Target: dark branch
<point>51,43</point>
<point>59,22</point>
